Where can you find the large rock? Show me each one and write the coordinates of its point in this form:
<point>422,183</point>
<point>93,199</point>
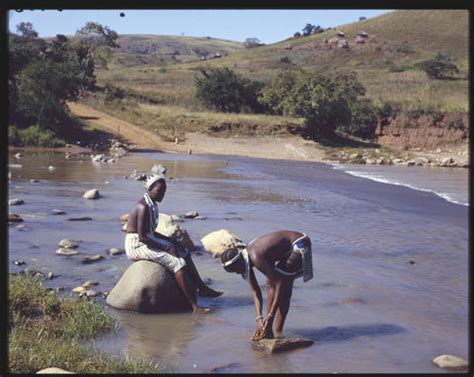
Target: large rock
<point>149,288</point>
<point>451,362</point>
<point>281,344</point>
<point>219,241</point>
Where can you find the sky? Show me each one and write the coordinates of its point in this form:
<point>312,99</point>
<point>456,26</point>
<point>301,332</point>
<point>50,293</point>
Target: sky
<point>267,25</point>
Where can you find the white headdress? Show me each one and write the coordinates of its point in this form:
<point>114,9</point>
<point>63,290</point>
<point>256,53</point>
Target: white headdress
<point>151,179</point>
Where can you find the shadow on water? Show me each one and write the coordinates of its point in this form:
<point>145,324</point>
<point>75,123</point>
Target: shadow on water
<point>338,334</point>
<point>228,301</point>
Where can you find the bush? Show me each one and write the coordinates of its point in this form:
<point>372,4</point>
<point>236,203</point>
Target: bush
<point>388,110</point>
<point>363,120</point>
<point>439,67</point>
<point>224,90</point>
<point>324,101</point>
<point>33,136</point>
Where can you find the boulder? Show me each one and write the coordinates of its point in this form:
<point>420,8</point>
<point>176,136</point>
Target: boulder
<point>158,169</point>
<point>451,362</point>
<point>149,288</point>
<point>281,344</point>
<point>219,241</point>
<point>124,218</point>
<point>91,194</point>
<point>343,44</point>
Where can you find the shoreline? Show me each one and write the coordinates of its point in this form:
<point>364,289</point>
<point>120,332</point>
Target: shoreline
<point>284,148</point>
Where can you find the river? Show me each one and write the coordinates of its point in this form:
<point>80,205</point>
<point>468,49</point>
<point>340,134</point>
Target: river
<point>390,287</point>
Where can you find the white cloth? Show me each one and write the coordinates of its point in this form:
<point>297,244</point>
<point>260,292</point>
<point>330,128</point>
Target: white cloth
<point>305,250</point>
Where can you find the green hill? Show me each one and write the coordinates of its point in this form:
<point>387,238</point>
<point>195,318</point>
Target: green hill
<point>160,89</point>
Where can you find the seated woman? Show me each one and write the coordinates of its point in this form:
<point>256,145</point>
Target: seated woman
<point>143,242</point>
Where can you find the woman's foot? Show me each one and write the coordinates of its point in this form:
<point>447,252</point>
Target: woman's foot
<point>201,310</point>
<point>209,292</point>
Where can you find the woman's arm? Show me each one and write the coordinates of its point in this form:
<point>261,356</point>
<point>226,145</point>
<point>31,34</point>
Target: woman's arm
<point>143,229</point>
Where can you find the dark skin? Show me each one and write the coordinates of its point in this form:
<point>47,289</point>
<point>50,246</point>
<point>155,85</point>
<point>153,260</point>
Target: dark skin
<point>263,253</point>
<point>138,222</point>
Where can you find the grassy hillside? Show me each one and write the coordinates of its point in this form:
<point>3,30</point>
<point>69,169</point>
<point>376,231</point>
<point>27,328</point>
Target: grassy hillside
<point>162,49</point>
<point>385,64</point>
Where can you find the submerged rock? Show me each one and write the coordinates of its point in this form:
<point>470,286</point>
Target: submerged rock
<point>191,215</point>
<point>149,288</point>
<point>91,258</point>
<point>281,344</point>
<point>57,212</point>
<point>90,283</point>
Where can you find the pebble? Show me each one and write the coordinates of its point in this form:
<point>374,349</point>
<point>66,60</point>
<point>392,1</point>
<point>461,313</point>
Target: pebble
<point>91,293</point>
<point>51,275</point>
<point>66,252</point>
<point>19,262</point>
<point>18,155</point>
<point>51,168</point>
<point>15,202</point>
<point>58,212</point>
<point>92,258</point>
<point>90,283</point>
<point>450,362</point>
<point>68,244</point>
<point>91,194</point>
<point>79,289</point>
<point>34,180</point>
<point>84,218</point>
<point>191,215</point>
<point>14,218</point>
<point>115,251</point>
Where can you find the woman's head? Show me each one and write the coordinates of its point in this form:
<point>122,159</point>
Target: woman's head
<point>233,261</point>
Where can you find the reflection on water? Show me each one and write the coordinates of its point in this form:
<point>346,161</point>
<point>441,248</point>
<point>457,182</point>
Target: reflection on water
<point>163,337</point>
<point>390,263</point>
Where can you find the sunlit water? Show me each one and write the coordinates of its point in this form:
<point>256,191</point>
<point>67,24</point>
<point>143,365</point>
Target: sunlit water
<point>390,290</point>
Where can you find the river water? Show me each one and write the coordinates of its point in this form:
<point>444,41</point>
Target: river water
<point>390,290</point>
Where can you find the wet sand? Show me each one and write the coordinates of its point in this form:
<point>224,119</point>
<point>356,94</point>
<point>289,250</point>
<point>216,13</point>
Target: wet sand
<point>369,308</point>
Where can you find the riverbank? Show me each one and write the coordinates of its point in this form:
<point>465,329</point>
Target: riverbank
<point>289,147</point>
<point>49,331</point>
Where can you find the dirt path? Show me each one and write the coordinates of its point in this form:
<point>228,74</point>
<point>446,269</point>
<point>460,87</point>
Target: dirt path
<point>130,133</point>
<point>289,148</point>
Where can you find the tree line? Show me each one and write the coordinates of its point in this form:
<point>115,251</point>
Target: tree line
<point>43,75</point>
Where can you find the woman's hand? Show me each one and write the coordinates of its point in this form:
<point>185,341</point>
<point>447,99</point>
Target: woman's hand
<point>257,335</point>
<point>267,332</point>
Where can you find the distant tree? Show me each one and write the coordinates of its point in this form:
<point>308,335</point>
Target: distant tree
<point>252,42</point>
<point>317,29</point>
<point>308,29</point>
<point>362,18</point>
<point>439,67</point>
<point>224,90</point>
<point>297,34</point>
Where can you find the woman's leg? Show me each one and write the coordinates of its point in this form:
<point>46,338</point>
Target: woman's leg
<point>203,289</point>
<point>283,307</point>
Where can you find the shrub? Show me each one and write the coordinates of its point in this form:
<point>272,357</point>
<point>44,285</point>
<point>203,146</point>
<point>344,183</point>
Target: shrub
<point>33,136</point>
<point>388,110</point>
<point>439,67</point>
<point>363,119</point>
<point>226,91</point>
<point>324,101</point>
